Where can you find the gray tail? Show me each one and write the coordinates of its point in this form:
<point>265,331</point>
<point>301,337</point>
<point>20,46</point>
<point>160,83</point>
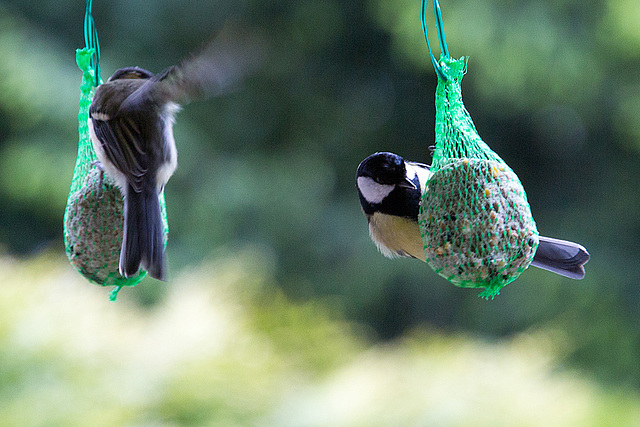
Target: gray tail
<point>561,257</point>
<point>142,242</point>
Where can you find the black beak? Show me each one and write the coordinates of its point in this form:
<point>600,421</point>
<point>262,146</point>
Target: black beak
<point>407,183</point>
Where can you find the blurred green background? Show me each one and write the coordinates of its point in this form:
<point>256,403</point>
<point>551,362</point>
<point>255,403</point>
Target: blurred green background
<point>279,310</point>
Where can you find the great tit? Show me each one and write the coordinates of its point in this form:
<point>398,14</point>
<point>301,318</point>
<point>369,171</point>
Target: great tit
<point>390,190</point>
<point>131,128</point>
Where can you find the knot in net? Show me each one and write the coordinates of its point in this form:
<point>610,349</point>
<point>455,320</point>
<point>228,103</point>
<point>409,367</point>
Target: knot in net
<point>475,219</point>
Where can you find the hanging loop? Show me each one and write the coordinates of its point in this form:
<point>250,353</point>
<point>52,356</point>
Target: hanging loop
<point>444,51</point>
<point>91,41</point>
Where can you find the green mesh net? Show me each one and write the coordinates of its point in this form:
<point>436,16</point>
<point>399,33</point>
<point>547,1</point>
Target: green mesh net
<point>475,220</point>
<point>93,218</point>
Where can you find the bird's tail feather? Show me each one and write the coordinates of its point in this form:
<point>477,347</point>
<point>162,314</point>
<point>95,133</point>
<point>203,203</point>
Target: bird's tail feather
<point>142,242</point>
<point>561,257</point>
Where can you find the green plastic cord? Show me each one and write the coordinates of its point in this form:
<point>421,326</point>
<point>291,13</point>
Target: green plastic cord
<point>91,41</point>
<point>444,50</point>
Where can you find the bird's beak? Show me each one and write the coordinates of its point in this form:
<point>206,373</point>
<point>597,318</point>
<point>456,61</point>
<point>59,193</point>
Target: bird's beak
<point>407,183</point>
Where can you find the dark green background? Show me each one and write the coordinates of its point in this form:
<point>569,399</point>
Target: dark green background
<point>553,87</point>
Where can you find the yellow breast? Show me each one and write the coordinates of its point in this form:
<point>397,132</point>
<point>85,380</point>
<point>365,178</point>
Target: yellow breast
<point>396,236</point>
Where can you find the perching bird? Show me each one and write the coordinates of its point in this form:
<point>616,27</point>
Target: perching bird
<point>131,127</point>
<point>390,191</point>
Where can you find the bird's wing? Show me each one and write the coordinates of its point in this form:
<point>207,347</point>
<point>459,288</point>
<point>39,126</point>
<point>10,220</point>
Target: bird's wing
<point>122,142</point>
<point>215,70</point>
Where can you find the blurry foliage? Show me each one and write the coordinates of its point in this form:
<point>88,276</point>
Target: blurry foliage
<point>552,86</point>
<point>226,347</point>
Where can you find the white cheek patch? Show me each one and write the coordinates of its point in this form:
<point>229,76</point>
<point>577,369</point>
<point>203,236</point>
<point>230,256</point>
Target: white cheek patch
<point>423,174</point>
<point>411,173</point>
<point>372,191</point>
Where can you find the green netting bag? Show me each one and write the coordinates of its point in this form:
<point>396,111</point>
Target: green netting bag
<point>93,218</point>
<point>475,220</point>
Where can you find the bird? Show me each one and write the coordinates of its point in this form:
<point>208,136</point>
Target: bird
<point>130,122</point>
<point>132,136</point>
<point>390,191</point>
